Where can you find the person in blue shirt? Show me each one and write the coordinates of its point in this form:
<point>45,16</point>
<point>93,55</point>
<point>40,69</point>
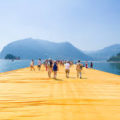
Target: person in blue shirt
<point>55,69</point>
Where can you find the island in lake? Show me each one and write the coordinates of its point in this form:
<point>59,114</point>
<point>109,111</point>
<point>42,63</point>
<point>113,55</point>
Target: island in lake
<point>11,57</point>
<point>115,58</point>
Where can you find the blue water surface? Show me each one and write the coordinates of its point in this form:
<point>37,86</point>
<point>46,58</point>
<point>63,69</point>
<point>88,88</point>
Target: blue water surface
<point>8,65</point>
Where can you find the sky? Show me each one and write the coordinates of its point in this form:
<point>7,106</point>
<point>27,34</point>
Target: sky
<point>87,24</point>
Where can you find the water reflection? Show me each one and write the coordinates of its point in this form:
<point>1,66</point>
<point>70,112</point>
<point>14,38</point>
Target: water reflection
<point>115,66</point>
<point>8,65</point>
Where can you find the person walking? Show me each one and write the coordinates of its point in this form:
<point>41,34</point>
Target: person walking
<point>49,67</point>
<point>67,69</point>
<point>91,65</point>
<point>32,65</point>
<point>55,69</point>
<point>86,64</point>
<point>39,64</point>
<point>46,64</point>
<point>79,67</point>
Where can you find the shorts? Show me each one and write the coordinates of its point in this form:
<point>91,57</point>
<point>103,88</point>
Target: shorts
<point>79,70</point>
<point>31,65</point>
<point>39,65</point>
<point>49,69</point>
<point>67,71</point>
<point>54,69</point>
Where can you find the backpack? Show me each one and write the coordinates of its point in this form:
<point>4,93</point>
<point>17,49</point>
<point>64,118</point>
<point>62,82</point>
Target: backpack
<point>55,67</point>
<point>79,66</point>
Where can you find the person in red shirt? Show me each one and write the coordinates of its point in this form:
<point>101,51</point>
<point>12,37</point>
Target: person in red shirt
<point>86,64</point>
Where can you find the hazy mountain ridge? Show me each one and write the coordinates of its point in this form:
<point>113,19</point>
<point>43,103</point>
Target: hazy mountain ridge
<point>34,48</point>
<point>105,53</point>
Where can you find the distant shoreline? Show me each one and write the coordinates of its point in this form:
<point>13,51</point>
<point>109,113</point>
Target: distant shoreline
<point>113,61</point>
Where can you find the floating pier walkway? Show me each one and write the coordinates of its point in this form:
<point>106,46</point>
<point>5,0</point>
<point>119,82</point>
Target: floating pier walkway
<point>29,95</point>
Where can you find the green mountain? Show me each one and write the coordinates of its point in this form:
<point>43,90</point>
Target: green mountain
<point>115,58</point>
<point>34,49</point>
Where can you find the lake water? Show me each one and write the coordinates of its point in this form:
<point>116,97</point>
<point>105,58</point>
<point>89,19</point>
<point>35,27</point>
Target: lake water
<point>7,65</point>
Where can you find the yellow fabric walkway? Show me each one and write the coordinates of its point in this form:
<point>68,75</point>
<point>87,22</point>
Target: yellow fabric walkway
<point>29,95</point>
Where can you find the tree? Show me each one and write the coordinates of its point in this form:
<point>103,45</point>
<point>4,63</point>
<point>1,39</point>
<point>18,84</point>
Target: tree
<point>10,56</point>
<point>115,58</point>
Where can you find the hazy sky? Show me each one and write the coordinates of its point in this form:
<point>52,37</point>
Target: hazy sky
<point>88,24</point>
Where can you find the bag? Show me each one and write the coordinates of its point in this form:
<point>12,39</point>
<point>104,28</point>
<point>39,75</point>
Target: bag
<point>81,66</point>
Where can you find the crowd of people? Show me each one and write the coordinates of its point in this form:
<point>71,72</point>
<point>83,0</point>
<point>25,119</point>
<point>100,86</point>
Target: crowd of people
<point>53,66</point>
